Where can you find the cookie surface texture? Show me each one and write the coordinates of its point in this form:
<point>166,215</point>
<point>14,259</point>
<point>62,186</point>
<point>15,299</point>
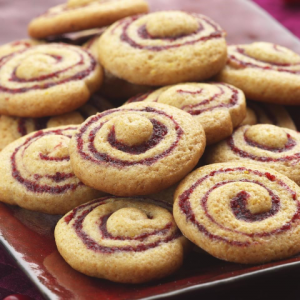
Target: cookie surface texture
<point>138,149</point>
<point>218,107</point>
<point>37,175</point>
<point>81,15</point>
<point>240,212</point>
<point>125,240</point>
<point>264,72</point>
<point>267,145</point>
<point>163,48</point>
<point>266,113</point>
<point>47,80</point>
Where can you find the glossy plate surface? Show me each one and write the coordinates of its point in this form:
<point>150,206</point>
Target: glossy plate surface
<point>28,236</point>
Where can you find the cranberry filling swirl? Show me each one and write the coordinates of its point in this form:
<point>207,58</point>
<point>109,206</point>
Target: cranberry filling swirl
<point>158,142</point>
<point>264,56</point>
<point>239,212</point>
<point>123,235</point>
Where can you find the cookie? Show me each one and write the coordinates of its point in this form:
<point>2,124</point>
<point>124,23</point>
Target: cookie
<point>114,88</point>
<point>36,173</point>
<point>218,107</point>
<point>240,212</point>
<point>264,72</point>
<point>128,240</point>
<point>80,15</point>
<point>264,113</point>
<point>163,48</point>
<point>138,149</point>
<point>47,80</point>
<point>267,145</point>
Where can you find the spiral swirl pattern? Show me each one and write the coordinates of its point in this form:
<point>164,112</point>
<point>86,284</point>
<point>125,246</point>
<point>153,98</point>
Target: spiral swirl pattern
<point>240,212</point>
<point>34,78</point>
<point>142,139</point>
<point>119,237</point>
<point>218,107</point>
<point>274,147</point>
<point>37,173</point>
<point>164,42</point>
<point>265,72</point>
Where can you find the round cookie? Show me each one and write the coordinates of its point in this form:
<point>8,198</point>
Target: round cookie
<point>47,80</point>
<point>267,145</point>
<point>129,240</point>
<point>218,107</point>
<point>36,173</point>
<point>163,48</point>
<point>264,113</point>
<point>80,15</point>
<point>138,149</point>
<point>264,72</point>
<point>240,212</point>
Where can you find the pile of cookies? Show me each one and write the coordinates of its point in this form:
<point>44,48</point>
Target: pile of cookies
<point>128,179</point>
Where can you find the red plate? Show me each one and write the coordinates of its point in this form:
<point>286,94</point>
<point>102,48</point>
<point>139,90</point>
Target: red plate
<point>28,236</point>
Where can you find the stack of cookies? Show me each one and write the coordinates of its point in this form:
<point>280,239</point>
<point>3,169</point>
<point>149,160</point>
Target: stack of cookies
<point>128,179</point>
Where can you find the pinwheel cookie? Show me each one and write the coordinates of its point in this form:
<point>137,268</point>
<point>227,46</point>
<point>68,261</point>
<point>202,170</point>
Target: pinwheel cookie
<point>264,113</point>
<point>47,80</point>
<point>240,212</point>
<point>267,145</point>
<point>36,173</point>
<point>163,48</point>
<point>138,149</point>
<point>264,72</point>
<point>218,107</point>
<point>83,14</point>
<point>127,240</point>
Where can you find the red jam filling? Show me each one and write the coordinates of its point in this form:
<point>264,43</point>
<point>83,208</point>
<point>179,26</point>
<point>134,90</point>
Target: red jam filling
<point>42,86</point>
<point>273,66</point>
<point>91,244</point>
<point>33,185</point>
<point>142,32</point>
<point>140,97</point>
<point>289,145</point>
<point>98,157</point>
<point>239,211</point>
<point>159,131</point>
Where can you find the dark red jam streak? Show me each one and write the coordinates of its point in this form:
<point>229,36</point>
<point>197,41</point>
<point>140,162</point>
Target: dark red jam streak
<point>33,186</point>
<point>290,144</point>
<point>140,97</point>
<point>99,157</point>
<point>42,86</point>
<point>93,245</point>
<point>232,102</point>
<point>185,205</point>
<point>39,124</point>
<point>265,110</point>
<point>273,66</point>
<point>159,132</point>
<point>142,32</point>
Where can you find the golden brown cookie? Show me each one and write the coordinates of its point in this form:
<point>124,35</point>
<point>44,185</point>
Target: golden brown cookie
<point>240,212</point>
<point>267,145</point>
<point>129,240</point>
<point>264,113</point>
<point>80,14</point>
<point>264,72</point>
<point>47,80</point>
<point>163,48</point>
<point>218,107</point>
<point>36,173</point>
<point>138,149</point>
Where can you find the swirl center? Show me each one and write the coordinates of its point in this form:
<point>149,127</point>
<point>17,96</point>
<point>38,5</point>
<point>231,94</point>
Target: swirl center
<point>133,130</point>
<point>171,24</point>
<point>267,135</point>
